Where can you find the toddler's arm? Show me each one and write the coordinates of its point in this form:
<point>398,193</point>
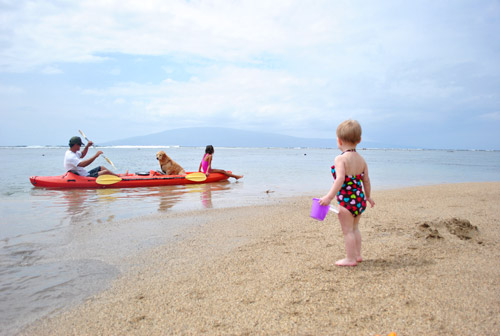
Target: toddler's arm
<point>368,187</point>
<point>337,184</point>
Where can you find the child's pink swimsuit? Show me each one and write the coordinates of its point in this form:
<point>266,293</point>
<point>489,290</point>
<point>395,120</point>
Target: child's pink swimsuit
<point>204,164</point>
<point>351,195</point>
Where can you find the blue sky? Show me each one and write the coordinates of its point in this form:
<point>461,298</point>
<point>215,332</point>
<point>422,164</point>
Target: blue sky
<point>414,73</point>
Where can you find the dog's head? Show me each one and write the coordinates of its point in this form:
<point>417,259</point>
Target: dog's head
<point>161,156</point>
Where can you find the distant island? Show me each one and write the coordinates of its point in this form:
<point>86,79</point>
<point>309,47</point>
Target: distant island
<point>224,137</point>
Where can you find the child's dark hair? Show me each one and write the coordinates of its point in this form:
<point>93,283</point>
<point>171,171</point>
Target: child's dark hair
<point>209,149</point>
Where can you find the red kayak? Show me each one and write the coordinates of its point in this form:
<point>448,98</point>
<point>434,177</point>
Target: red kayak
<point>153,178</point>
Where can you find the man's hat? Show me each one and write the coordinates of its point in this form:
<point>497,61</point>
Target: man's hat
<point>75,141</point>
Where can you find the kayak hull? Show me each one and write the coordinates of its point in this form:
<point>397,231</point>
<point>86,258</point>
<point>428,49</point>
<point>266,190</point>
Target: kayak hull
<point>73,181</point>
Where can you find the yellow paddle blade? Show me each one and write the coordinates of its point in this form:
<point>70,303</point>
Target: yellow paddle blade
<point>111,163</point>
<point>196,177</point>
<point>107,179</point>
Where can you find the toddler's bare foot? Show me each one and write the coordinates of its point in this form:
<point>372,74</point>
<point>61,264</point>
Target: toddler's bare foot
<point>238,177</point>
<point>346,262</point>
<point>359,259</point>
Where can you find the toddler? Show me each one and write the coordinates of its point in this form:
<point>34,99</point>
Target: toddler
<point>350,174</point>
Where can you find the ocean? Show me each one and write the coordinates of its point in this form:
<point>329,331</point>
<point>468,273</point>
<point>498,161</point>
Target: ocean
<point>58,247</point>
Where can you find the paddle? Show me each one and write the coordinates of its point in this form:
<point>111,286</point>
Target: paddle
<point>112,179</point>
<point>111,163</point>
<point>196,177</point>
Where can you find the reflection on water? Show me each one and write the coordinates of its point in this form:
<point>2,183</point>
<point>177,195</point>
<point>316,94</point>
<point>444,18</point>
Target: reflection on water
<point>206,197</point>
<point>107,194</point>
<point>205,191</point>
<point>75,204</point>
<point>128,202</point>
<point>168,197</point>
<point>93,204</point>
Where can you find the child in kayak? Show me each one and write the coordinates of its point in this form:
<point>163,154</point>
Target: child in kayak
<point>206,164</point>
<point>350,174</point>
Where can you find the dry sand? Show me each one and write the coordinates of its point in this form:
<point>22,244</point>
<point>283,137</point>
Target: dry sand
<point>432,267</point>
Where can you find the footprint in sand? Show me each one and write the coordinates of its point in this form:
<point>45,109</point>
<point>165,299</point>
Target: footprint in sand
<point>428,231</point>
<point>461,228</point>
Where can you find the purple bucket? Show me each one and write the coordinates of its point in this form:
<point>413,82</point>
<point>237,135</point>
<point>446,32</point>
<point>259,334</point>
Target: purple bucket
<point>319,211</point>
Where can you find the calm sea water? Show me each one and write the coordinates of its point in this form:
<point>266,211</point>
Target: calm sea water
<point>59,246</point>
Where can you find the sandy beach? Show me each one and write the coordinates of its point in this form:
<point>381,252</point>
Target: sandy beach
<point>431,267</point>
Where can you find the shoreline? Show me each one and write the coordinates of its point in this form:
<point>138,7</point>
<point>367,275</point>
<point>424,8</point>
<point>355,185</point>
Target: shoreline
<point>269,269</point>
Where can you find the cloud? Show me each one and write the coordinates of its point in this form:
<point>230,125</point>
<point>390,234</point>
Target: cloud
<point>282,66</point>
<point>51,70</point>
<point>223,30</point>
<point>10,90</point>
<point>493,116</point>
<point>229,94</point>
<point>115,71</point>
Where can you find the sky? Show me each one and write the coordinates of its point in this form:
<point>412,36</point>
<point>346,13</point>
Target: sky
<point>422,73</point>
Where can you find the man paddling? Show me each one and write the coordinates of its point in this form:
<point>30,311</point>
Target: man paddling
<point>73,159</point>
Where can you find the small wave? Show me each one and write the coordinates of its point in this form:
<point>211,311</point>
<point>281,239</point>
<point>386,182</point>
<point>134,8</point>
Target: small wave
<point>139,146</point>
<point>12,191</point>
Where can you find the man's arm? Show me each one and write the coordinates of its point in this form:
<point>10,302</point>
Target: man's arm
<point>85,163</point>
<point>86,149</point>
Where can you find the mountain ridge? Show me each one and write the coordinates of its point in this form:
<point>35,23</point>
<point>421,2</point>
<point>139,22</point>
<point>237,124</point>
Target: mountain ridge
<point>224,137</point>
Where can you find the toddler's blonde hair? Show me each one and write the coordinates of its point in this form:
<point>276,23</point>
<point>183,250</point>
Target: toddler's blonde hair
<point>349,131</point>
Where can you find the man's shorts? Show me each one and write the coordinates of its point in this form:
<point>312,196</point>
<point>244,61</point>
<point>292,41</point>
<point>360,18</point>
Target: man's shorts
<point>94,172</point>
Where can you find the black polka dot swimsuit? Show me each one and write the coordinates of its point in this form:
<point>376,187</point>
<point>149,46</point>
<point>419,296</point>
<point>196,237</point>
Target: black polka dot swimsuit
<point>351,195</point>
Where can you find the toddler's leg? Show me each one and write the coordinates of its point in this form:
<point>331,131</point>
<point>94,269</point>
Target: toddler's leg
<point>357,234</point>
<point>347,224</point>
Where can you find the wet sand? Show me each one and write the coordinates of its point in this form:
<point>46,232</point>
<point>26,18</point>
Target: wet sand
<point>431,267</point>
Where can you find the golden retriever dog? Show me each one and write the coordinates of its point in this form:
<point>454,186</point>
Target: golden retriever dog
<point>169,166</point>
